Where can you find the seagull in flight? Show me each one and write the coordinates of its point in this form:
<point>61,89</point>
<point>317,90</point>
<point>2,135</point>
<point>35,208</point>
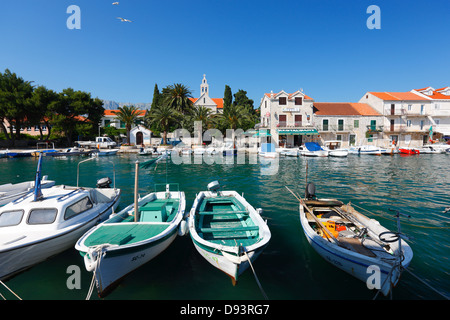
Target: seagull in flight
<point>124,20</point>
<point>115,3</point>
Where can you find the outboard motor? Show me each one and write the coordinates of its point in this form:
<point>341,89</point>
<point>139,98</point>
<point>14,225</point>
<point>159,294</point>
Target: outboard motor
<point>104,183</point>
<point>214,186</point>
<point>310,192</point>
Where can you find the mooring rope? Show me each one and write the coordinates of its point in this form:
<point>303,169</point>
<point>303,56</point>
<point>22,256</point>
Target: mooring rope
<point>9,291</point>
<point>99,250</point>
<point>403,223</point>
<point>256,277</point>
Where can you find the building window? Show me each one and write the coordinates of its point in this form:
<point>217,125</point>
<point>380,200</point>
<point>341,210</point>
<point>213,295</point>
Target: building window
<point>408,123</point>
<point>340,125</point>
<point>409,107</point>
<point>298,101</point>
<point>282,101</point>
<point>339,137</point>
<point>325,124</point>
<point>356,123</point>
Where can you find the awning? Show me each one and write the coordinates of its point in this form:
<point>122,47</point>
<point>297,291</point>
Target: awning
<point>298,131</point>
<point>262,133</point>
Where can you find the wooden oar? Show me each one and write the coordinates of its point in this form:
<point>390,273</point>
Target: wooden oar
<point>328,233</point>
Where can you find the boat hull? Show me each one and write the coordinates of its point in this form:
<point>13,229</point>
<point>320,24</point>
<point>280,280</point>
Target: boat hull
<point>232,257</point>
<point>116,264</point>
<point>228,262</point>
<point>358,265</point>
<point>111,261</point>
<point>16,260</point>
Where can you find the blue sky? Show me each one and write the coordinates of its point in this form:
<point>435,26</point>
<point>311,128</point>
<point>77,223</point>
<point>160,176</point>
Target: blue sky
<point>323,47</point>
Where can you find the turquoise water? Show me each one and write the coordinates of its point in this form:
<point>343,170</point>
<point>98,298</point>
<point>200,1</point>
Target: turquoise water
<point>288,269</point>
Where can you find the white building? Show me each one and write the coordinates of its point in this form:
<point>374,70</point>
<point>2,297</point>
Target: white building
<point>214,104</point>
<point>287,118</point>
<point>350,123</point>
<point>140,135</point>
<point>407,116</point>
<point>439,114</point>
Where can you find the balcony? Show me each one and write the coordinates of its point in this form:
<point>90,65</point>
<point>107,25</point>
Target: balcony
<point>296,124</point>
<point>335,128</point>
<point>374,129</point>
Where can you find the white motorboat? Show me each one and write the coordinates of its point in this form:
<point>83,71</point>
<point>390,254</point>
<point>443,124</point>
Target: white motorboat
<point>430,149</point>
<point>353,242</point>
<point>226,230</point>
<point>105,152</point>
<point>42,224</point>
<point>133,237</point>
<point>313,149</point>
<point>267,150</point>
<point>334,148</point>
<point>10,192</point>
<point>366,149</point>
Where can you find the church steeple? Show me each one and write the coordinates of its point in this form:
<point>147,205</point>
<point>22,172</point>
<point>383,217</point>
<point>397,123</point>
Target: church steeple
<point>204,87</point>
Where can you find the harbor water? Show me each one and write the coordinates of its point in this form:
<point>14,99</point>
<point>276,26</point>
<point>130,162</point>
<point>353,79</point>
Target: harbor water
<point>289,268</point>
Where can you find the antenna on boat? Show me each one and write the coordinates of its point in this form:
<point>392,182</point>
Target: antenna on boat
<point>37,183</point>
<point>136,186</point>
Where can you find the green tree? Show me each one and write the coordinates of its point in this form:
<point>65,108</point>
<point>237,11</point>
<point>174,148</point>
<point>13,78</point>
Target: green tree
<point>227,97</point>
<point>15,93</point>
<point>241,99</point>
<point>40,112</point>
<point>235,117</point>
<point>76,111</point>
<point>156,96</point>
<point>177,96</point>
<point>128,115</point>
<point>203,114</point>
<point>162,116</point>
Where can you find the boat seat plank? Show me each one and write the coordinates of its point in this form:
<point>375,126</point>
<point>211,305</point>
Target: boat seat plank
<point>206,213</point>
<point>229,229</point>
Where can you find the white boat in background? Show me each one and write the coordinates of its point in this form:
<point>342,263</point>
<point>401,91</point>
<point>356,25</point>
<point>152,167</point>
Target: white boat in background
<point>4,153</point>
<point>430,149</point>
<point>334,148</point>
<point>267,150</point>
<point>133,237</point>
<point>288,152</point>
<point>226,230</point>
<point>366,149</point>
<point>199,150</point>
<point>313,149</point>
<point>104,152</point>
<point>10,192</point>
<point>48,221</point>
<point>352,241</point>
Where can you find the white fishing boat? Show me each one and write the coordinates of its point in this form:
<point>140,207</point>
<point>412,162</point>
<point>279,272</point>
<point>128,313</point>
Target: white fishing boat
<point>42,224</point>
<point>226,230</point>
<point>267,150</point>
<point>104,152</point>
<point>133,237</point>
<point>353,242</point>
<point>430,149</point>
<point>366,149</point>
<point>10,192</point>
<point>334,148</point>
<point>313,149</point>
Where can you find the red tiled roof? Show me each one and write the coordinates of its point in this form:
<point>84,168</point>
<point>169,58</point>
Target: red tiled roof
<point>436,95</point>
<point>141,113</point>
<point>217,101</point>
<point>344,109</point>
<point>398,96</point>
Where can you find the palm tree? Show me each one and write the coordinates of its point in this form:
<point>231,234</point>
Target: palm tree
<point>177,96</point>
<point>162,116</point>
<point>235,117</point>
<point>203,114</point>
<point>128,115</point>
